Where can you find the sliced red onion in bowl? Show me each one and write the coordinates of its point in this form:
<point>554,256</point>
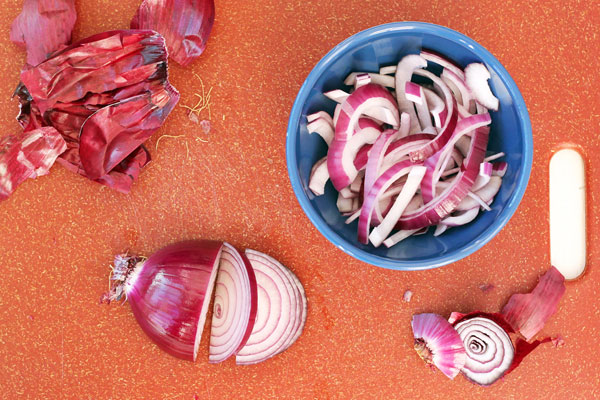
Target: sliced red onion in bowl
<point>234,307</point>
<point>438,343</point>
<point>451,145</point>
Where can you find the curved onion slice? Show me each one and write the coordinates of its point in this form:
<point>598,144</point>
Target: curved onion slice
<point>449,121</point>
<point>477,76</point>
<point>528,313</point>
<point>234,307</point>
<point>342,153</point>
<point>319,175</point>
<point>404,71</point>
<point>281,310</point>
<point>169,293</point>
<point>323,127</point>
<point>444,62</point>
<point>438,343</point>
<point>490,351</point>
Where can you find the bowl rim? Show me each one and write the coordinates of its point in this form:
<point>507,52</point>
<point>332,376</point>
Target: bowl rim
<point>359,39</point>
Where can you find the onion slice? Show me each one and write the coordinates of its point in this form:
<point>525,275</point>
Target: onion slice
<point>477,76</point>
<point>281,310</point>
<point>527,313</point>
<point>234,307</point>
<point>438,343</point>
<point>404,72</point>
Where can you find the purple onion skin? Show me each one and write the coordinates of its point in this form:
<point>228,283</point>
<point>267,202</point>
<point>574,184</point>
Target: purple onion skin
<point>168,294</point>
<point>185,24</point>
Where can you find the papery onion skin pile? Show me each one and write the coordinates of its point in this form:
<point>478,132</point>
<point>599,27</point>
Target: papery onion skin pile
<point>106,95</point>
<point>442,124</point>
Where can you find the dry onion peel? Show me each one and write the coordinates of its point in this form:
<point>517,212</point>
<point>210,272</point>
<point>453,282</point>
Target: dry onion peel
<point>527,313</point>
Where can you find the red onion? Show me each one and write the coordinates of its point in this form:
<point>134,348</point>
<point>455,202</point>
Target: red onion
<point>235,304</point>
<point>169,293</point>
<point>281,310</point>
<point>438,343</point>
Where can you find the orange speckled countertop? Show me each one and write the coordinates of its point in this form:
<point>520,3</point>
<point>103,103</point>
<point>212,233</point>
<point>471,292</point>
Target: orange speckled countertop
<point>59,232</point>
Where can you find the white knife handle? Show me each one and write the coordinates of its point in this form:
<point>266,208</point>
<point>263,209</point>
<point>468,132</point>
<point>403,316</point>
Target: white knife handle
<point>567,213</point>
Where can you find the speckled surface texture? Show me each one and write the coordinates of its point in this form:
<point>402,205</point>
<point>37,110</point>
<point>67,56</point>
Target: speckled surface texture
<point>59,232</point>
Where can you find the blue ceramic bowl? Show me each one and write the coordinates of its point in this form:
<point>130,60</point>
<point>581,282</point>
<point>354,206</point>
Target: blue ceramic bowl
<point>386,45</point>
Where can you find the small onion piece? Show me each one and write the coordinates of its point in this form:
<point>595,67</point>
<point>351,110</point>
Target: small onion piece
<point>234,307</point>
<point>489,349</point>
<point>319,175</point>
<point>477,76</point>
<point>438,343</point>
<point>281,311</point>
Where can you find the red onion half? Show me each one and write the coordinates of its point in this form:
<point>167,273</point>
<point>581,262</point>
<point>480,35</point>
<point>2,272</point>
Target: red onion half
<point>234,309</point>
<point>281,313</point>
<point>169,293</point>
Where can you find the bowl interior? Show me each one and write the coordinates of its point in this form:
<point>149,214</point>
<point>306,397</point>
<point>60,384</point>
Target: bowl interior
<point>368,51</point>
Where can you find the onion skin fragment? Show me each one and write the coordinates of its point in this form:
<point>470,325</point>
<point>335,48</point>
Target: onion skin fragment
<point>43,27</point>
<point>527,313</point>
<point>27,156</point>
<point>185,24</point>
